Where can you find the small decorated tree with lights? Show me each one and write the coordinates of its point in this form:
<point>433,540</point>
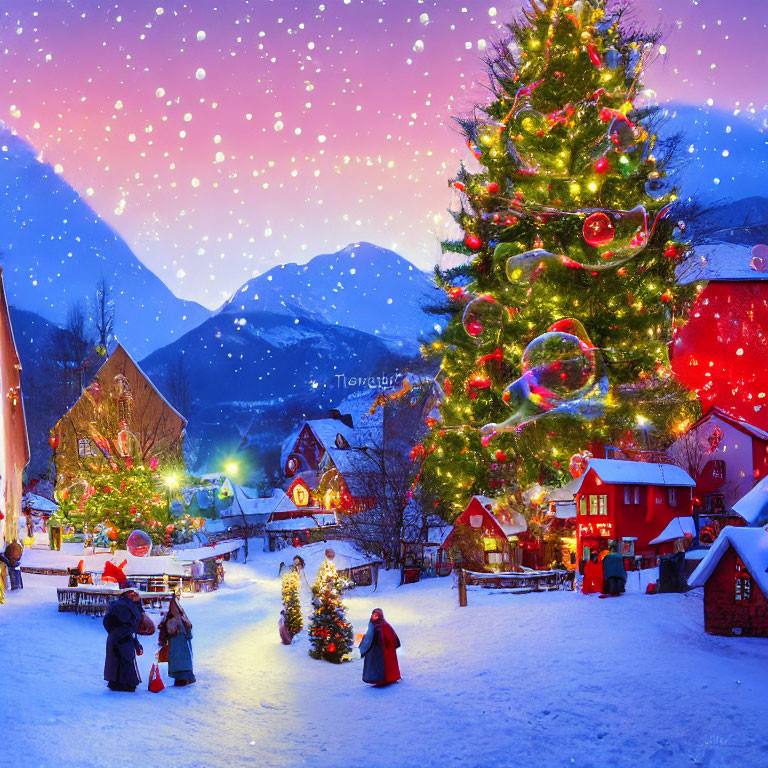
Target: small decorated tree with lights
<point>293,618</point>
<point>330,634</point>
<point>565,298</point>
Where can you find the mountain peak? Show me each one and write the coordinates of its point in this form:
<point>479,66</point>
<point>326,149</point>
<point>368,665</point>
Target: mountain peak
<point>362,286</point>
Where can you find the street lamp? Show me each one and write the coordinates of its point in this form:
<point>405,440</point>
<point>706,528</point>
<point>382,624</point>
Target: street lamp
<point>171,483</point>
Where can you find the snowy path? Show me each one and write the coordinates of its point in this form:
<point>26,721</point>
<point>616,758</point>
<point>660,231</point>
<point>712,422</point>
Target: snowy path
<point>531,681</point>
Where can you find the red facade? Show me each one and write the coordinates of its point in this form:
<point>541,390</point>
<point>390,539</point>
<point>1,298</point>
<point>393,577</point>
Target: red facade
<point>613,511</point>
<point>14,447</point>
<point>479,540</point>
<point>733,601</point>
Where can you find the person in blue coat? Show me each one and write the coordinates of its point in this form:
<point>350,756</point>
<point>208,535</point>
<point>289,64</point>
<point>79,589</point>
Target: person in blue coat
<point>379,651</point>
<point>122,622</point>
<point>176,633</point>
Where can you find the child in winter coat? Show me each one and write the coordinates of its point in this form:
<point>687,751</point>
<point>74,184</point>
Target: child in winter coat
<point>176,633</point>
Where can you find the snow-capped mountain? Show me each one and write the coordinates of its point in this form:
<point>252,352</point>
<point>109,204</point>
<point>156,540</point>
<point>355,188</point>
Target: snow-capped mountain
<point>275,366</point>
<point>362,286</point>
<point>54,249</point>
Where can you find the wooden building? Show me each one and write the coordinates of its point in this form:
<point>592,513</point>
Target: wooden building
<point>120,413</point>
<point>14,446</point>
<point>733,574</point>
<point>485,537</point>
<point>630,503</point>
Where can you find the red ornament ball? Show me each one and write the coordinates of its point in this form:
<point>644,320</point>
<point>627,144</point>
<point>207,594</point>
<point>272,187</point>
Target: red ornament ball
<point>671,252</point>
<point>493,188</point>
<point>473,242</point>
<point>601,166</point>
<point>500,455</point>
<point>598,229</point>
<point>331,647</point>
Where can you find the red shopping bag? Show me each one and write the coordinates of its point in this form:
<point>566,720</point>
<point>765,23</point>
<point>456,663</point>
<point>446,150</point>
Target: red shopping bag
<point>155,681</point>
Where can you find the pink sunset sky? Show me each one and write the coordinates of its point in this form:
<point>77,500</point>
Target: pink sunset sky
<point>222,138</point>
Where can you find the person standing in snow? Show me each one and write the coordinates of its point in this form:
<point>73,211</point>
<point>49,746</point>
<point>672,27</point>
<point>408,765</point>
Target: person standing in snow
<point>614,574</point>
<point>379,651</point>
<point>122,623</point>
<point>176,632</point>
<point>12,558</point>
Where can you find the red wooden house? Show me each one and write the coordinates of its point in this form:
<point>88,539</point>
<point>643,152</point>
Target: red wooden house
<point>14,447</point>
<point>733,574</point>
<point>630,503</point>
<point>484,536</point>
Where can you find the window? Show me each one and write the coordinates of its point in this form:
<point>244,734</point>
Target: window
<point>672,496</point>
<point>743,583</point>
<point>631,494</point>
<point>84,447</point>
<point>582,505</point>
<point>598,505</point>
<point>718,469</point>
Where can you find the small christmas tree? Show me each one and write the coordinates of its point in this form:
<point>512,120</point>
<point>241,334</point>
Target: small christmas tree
<point>330,634</point>
<point>293,620</point>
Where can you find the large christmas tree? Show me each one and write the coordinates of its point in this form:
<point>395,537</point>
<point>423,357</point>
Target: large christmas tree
<point>565,303</point>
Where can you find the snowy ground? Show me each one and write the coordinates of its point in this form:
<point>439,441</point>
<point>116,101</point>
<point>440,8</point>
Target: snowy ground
<point>537,680</point>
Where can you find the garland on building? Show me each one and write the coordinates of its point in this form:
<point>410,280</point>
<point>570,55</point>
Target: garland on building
<point>293,619</point>
<point>565,298</point>
<point>330,634</point>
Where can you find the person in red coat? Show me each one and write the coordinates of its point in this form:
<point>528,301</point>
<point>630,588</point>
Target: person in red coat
<point>379,651</point>
<point>593,576</point>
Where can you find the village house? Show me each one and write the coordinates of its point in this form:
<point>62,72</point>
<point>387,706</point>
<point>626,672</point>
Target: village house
<point>485,537</point>
<point>725,455</point>
<point>14,446</point>
<point>629,503</point>
<point>733,574</point>
<point>120,413</point>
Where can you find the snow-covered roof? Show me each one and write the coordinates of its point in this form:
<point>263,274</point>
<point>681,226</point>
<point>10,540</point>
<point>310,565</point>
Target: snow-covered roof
<point>744,426</point>
<point>719,261</point>
<point>751,544</point>
<point>39,503</point>
<point>566,492</point>
<point>677,529</point>
<point>637,473</point>
<point>753,506</point>
<point>565,510</point>
<point>509,521</point>
<point>318,520</point>
<point>258,509</point>
<point>514,524</point>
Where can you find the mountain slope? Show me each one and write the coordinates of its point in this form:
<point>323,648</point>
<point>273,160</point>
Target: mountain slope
<point>55,248</point>
<point>267,365</point>
<point>363,286</point>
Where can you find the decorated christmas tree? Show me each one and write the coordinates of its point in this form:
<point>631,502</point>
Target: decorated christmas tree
<point>293,619</point>
<point>121,497</point>
<point>564,297</point>
<point>330,634</point>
